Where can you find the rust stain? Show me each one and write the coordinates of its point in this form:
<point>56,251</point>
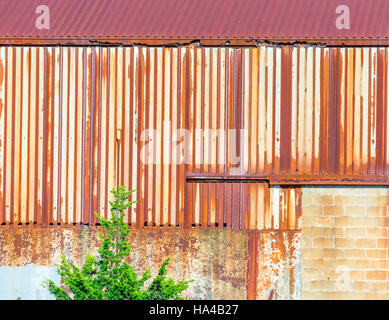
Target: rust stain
<point>252,266</point>
<point>1,73</point>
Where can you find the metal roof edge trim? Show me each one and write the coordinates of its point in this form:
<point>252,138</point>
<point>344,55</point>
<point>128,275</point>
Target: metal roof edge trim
<point>228,42</point>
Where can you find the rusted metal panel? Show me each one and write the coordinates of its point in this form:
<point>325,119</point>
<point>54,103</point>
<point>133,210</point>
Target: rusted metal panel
<point>123,21</point>
<point>274,267</point>
<point>190,128</point>
<point>243,205</point>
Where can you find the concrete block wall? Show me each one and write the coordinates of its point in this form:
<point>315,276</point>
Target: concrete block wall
<point>345,239</point>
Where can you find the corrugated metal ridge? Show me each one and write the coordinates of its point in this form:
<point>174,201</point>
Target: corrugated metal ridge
<point>201,19</point>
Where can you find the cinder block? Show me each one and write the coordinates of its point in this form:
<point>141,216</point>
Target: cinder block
<point>355,232</point>
<point>340,272</point>
<point>323,285</point>
<point>383,200</point>
<point>355,200</point>
<point>332,211</point>
<point>365,264</point>
<point>376,211</point>
<point>316,221</point>
<point>307,285</point>
<point>326,199</point>
<point>383,222</point>
<point>366,243</point>
<point>354,253</point>
<point>311,253</point>
<point>329,253</point>
<point>323,243</point>
<point>345,221</point>
<point>364,286</point>
<point>310,295</point>
<point>368,222</point>
<point>355,211</point>
<point>382,286</point>
<point>376,253</point>
<point>376,275</point>
<point>322,264</point>
<point>307,242</point>
<point>344,263</point>
<point>333,295</point>
<point>377,296</point>
<point>344,243</point>
<point>312,232</point>
<point>307,221</point>
<point>383,243</point>
<point>312,274</point>
<point>333,232</point>
<point>376,233</point>
<point>355,295</point>
<point>381,264</point>
<point>309,199</point>
<point>357,275</point>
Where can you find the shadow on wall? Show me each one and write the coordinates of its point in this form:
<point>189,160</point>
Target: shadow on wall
<point>24,282</point>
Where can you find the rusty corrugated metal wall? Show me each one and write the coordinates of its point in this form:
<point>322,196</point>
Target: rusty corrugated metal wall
<point>73,121</point>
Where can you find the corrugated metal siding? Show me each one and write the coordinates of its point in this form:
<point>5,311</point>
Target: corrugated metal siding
<point>242,206</point>
<point>338,112</point>
<point>72,127</point>
<point>121,20</point>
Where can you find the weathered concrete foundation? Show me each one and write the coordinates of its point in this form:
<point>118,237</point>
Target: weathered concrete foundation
<point>225,264</point>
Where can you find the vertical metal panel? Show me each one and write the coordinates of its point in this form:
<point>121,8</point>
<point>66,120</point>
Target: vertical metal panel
<point>240,205</point>
<point>77,121</point>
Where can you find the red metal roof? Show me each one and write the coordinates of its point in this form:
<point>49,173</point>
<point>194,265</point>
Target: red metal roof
<point>194,19</point>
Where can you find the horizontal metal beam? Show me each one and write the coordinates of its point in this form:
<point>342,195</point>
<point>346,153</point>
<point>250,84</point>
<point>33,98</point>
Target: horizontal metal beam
<point>292,179</point>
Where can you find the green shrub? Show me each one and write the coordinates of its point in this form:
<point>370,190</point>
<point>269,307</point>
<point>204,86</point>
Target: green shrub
<point>108,276</point>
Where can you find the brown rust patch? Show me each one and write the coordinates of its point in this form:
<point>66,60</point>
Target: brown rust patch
<point>278,265</point>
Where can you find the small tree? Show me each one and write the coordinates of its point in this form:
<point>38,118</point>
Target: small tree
<point>108,276</point>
